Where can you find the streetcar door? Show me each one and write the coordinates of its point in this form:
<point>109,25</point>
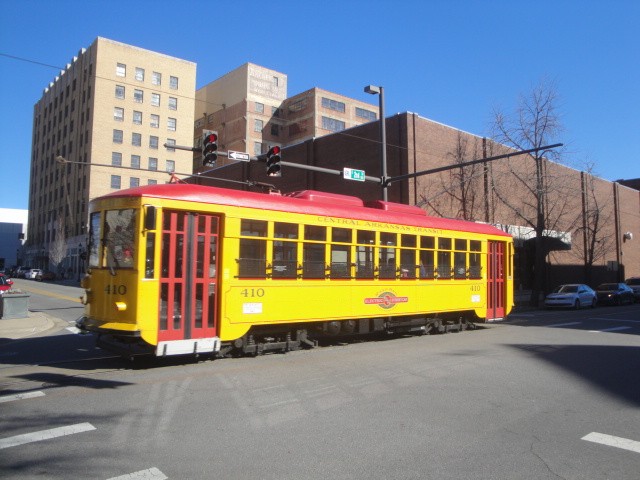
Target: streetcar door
<point>496,284</point>
<point>189,284</point>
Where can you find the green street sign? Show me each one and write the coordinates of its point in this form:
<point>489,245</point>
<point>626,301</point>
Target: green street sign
<point>353,174</point>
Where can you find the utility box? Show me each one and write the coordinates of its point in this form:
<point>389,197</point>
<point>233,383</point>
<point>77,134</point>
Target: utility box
<point>14,305</point>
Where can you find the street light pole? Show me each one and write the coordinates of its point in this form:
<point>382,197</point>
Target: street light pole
<point>373,90</point>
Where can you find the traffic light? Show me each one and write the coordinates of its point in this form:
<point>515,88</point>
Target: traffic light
<point>273,162</point>
<point>209,148</point>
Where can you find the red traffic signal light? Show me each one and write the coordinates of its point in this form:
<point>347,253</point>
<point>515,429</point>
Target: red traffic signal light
<point>209,148</point>
<point>273,162</point>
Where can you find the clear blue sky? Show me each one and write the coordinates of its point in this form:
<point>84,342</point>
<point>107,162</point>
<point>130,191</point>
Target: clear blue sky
<point>449,61</point>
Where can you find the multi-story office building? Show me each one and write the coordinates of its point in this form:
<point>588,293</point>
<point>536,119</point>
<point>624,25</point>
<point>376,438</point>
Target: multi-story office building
<point>250,110</point>
<point>107,115</point>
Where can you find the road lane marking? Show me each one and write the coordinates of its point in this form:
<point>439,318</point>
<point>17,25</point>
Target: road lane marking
<point>50,294</point>
<point>612,441</point>
<point>150,473</point>
<point>612,329</point>
<point>20,396</point>
<point>564,324</point>
<point>614,320</point>
<point>45,435</point>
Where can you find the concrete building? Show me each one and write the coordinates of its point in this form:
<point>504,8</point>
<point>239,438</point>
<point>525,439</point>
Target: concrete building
<point>13,227</point>
<point>107,115</point>
<point>250,110</point>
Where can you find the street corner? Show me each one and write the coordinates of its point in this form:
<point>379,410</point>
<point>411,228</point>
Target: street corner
<point>34,324</point>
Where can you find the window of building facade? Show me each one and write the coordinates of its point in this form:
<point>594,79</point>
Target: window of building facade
<point>257,148</point>
<point>140,74</point>
<point>134,182</point>
<point>171,124</point>
<point>333,104</point>
<point>156,78</point>
<point>153,142</point>
<point>153,163</point>
<point>115,181</point>
<point>171,166</point>
<point>136,139</point>
<point>155,99</point>
<point>173,83</point>
<point>135,161</point>
<point>151,181</point>
<point>259,107</point>
<point>332,124</point>
<point>121,70</point>
<point>118,114</point>
<point>137,117</point>
<point>171,141</point>
<point>120,91</point>
<point>173,103</point>
<point>155,121</point>
<point>116,159</point>
<point>275,129</point>
<point>258,125</point>
<point>138,96</point>
<point>117,136</point>
<point>366,114</point>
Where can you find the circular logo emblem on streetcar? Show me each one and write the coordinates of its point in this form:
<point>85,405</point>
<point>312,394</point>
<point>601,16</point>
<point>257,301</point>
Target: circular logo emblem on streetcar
<point>385,300</point>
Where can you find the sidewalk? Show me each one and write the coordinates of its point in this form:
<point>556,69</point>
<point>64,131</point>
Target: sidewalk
<point>36,323</point>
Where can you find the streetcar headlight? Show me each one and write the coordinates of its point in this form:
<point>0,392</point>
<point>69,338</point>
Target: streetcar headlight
<point>121,306</point>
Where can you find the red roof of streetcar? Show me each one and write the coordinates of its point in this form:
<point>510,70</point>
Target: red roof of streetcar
<point>308,202</point>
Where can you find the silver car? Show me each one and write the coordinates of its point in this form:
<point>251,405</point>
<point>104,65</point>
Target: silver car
<point>573,295</point>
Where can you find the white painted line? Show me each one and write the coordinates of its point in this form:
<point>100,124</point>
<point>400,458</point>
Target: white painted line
<point>612,329</point>
<point>151,473</point>
<point>564,324</point>
<point>612,441</point>
<point>45,435</point>
<point>614,320</point>
<point>21,396</point>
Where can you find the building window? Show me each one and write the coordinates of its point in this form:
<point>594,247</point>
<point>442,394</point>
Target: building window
<point>121,70</point>
<point>258,125</point>
<point>155,99</point>
<point>151,181</point>
<point>120,92</point>
<point>135,161</point>
<point>116,159</point>
<point>153,163</point>
<point>153,142</point>
<point>115,181</point>
<point>171,124</point>
<point>134,182</point>
<point>156,78</point>
<point>140,74</point>
<point>275,130</point>
<point>257,148</point>
<point>171,166</point>
<point>155,121</point>
<point>118,114</point>
<point>366,114</point>
<point>332,124</point>
<point>137,117</point>
<point>136,139</point>
<point>276,81</point>
<point>259,107</point>
<point>173,83</point>
<point>138,96</point>
<point>171,141</point>
<point>117,136</point>
<point>333,104</point>
<point>173,103</point>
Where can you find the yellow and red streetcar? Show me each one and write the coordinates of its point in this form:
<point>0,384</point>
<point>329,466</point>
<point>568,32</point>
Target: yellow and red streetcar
<point>187,269</point>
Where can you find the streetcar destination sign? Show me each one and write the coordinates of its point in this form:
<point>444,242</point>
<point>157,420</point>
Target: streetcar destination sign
<point>241,156</point>
<point>353,174</point>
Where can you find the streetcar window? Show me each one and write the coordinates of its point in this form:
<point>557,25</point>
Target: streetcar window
<point>312,232</point>
<point>475,268</point>
<point>341,235</point>
<point>475,245</point>
<point>460,245</point>
<point>119,238</point>
<point>340,261</point>
<point>313,260</point>
<point>460,265</point>
<point>428,242</point>
<point>364,253</point>
<point>149,263</point>
<point>94,240</point>
<point>253,258</point>
<point>253,228</point>
<point>444,244</point>
<point>285,253</point>
<point>408,256</point>
<point>387,255</point>
<point>427,257</point>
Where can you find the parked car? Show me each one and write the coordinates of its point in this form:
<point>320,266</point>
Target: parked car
<point>634,283</point>
<point>5,283</point>
<point>45,276</point>
<point>32,273</point>
<point>614,294</point>
<point>573,295</point>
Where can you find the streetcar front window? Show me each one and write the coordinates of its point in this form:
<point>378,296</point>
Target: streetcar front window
<point>94,240</point>
<point>119,238</point>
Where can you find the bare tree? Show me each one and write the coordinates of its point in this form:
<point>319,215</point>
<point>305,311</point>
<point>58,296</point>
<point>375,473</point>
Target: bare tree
<point>535,123</point>
<point>58,248</point>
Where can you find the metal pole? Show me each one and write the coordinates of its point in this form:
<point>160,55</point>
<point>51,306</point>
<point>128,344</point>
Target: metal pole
<point>383,141</point>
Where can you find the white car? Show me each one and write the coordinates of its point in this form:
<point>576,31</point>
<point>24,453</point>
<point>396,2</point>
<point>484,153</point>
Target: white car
<point>33,273</point>
<point>574,295</point>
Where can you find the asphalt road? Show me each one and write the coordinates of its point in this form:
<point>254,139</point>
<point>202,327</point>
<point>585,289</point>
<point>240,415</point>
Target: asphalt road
<point>544,395</point>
